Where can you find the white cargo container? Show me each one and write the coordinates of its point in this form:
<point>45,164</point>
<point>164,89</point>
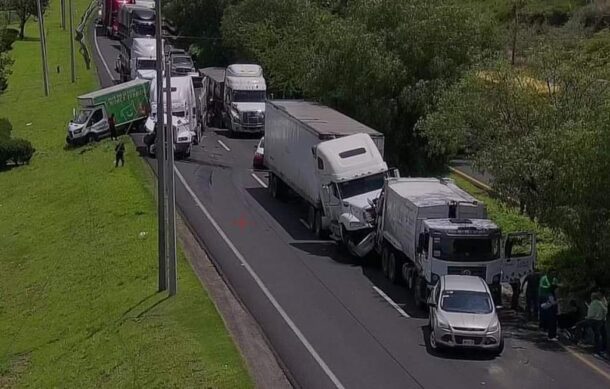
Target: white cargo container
<point>427,228</point>
<point>331,161</point>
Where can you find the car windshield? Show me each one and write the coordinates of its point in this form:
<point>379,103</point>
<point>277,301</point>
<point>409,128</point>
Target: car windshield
<point>147,64</point>
<point>248,96</point>
<point>361,185</point>
<point>144,29</point>
<point>464,301</point>
<point>82,116</point>
<point>467,248</point>
<point>182,60</point>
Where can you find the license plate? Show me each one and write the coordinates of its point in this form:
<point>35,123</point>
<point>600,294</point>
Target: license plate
<point>468,342</point>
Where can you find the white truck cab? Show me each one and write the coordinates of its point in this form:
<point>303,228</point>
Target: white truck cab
<point>352,173</point>
<point>244,98</point>
<point>138,59</point>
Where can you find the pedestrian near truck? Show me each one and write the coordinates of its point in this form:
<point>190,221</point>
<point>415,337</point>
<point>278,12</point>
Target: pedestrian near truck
<point>597,311</point>
<point>546,288</point>
<point>119,151</point>
<point>531,284</point>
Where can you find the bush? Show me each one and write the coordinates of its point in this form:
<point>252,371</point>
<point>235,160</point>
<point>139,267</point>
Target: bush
<point>16,150</point>
<point>5,128</point>
<point>7,37</point>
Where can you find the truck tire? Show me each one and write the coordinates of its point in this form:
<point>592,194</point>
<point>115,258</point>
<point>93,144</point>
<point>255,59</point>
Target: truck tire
<point>275,186</point>
<point>318,229</point>
<point>419,292</point>
<point>394,268</point>
<point>385,253</point>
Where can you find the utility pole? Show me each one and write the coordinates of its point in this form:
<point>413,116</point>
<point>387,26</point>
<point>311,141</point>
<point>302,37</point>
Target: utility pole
<point>72,62</point>
<point>63,15</point>
<point>171,197</point>
<point>160,151</point>
<point>43,50</point>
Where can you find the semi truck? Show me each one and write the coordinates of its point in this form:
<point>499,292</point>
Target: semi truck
<point>128,102</point>
<point>110,16</point>
<point>334,163</point>
<point>136,21</point>
<point>213,80</point>
<point>240,106</point>
<point>185,118</point>
<point>137,59</point>
<point>429,227</point>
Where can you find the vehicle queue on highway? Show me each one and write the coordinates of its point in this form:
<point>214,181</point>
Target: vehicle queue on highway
<point>426,233</point>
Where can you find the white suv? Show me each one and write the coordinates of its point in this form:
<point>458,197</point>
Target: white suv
<point>462,314</point>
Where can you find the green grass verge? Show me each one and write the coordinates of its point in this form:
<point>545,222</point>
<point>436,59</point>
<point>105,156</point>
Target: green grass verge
<point>78,301</point>
<point>549,243</point>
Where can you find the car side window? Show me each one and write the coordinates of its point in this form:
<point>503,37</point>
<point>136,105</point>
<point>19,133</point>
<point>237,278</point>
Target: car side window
<point>97,116</point>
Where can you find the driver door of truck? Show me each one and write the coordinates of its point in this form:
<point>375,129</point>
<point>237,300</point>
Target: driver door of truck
<point>519,255</point>
<point>98,122</point>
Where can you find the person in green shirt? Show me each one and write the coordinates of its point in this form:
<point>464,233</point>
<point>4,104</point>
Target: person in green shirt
<point>546,287</point>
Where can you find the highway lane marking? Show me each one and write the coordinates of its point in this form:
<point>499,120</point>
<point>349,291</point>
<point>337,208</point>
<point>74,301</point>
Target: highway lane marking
<point>262,286</point>
<point>99,53</point>
<point>303,222</point>
<point>223,145</point>
<point>391,302</point>
<point>584,360</point>
<point>259,180</point>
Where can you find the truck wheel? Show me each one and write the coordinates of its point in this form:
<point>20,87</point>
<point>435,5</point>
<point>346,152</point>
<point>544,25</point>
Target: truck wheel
<point>419,293</point>
<point>394,268</point>
<point>385,253</point>
<point>318,229</point>
<point>275,186</point>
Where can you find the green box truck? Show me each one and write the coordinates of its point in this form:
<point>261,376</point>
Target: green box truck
<point>128,102</point>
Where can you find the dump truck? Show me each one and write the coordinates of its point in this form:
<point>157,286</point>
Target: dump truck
<point>332,162</point>
<point>429,227</point>
<point>110,16</point>
<point>128,102</point>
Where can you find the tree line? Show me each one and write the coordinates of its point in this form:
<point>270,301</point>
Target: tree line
<point>528,103</point>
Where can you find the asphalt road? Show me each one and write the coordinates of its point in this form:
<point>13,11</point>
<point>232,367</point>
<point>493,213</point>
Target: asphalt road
<point>327,316</point>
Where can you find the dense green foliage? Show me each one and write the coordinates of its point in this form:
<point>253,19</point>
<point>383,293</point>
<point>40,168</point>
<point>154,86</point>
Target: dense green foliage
<point>16,150</point>
<point>544,135</point>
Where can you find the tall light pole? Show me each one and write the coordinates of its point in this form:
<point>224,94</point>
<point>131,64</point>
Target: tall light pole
<point>171,197</point>
<point>72,63</point>
<point>63,15</point>
<point>43,49</point>
<point>160,152</point>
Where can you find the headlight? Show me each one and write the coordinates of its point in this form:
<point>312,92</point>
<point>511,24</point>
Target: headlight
<point>494,326</point>
<point>78,131</point>
<point>443,324</point>
<point>235,115</point>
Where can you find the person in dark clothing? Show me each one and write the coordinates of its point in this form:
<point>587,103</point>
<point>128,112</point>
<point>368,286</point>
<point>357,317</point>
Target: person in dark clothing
<point>516,287</point>
<point>546,288</point>
<point>112,127</point>
<point>531,294</point>
<point>119,154</point>
<point>549,313</point>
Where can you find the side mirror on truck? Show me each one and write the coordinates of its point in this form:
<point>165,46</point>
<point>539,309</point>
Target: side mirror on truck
<point>420,243</point>
<point>325,194</point>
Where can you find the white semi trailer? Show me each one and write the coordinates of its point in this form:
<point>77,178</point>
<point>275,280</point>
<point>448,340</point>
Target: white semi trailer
<point>428,227</point>
<point>334,163</point>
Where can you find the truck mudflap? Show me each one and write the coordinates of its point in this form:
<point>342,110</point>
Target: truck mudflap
<point>365,246</point>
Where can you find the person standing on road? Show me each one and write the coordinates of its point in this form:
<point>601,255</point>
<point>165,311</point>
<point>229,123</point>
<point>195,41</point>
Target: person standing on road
<point>531,294</point>
<point>549,312</point>
<point>515,285</point>
<point>545,289</point>
<point>112,127</point>
<point>119,151</point>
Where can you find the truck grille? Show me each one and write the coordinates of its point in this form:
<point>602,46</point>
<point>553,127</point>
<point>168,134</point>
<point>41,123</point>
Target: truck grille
<point>479,271</point>
<point>253,119</point>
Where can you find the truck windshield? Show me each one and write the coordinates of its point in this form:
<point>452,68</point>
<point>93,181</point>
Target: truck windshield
<point>465,301</point>
<point>147,64</point>
<point>248,96</point>
<point>82,116</point>
<point>467,248</point>
<point>182,60</point>
<point>143,29</point>
<point>361,185</point>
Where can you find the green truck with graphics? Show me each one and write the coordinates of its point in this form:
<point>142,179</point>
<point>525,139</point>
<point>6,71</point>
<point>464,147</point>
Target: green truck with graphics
<point>128,102</point>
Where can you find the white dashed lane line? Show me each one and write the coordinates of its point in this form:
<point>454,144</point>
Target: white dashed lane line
<point>257,178</point>
<point>224,145</point>
<point>391,302</point>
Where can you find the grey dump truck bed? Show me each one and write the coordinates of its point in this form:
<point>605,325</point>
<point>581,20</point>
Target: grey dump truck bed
<point>215,73</point>
<point>326,122</point>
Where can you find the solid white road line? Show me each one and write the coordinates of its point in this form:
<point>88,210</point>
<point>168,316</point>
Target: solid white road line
<point>223,145</point>
<point>99,52</point>
<point>391,302</point>
<point>303,222</point>
<point>259,180</point>
<point>262,286</point>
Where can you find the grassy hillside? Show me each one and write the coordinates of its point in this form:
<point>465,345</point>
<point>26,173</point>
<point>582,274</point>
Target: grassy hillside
<point>78,301</point>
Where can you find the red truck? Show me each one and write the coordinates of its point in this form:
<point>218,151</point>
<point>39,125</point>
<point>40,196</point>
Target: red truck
<point>110,15</point>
